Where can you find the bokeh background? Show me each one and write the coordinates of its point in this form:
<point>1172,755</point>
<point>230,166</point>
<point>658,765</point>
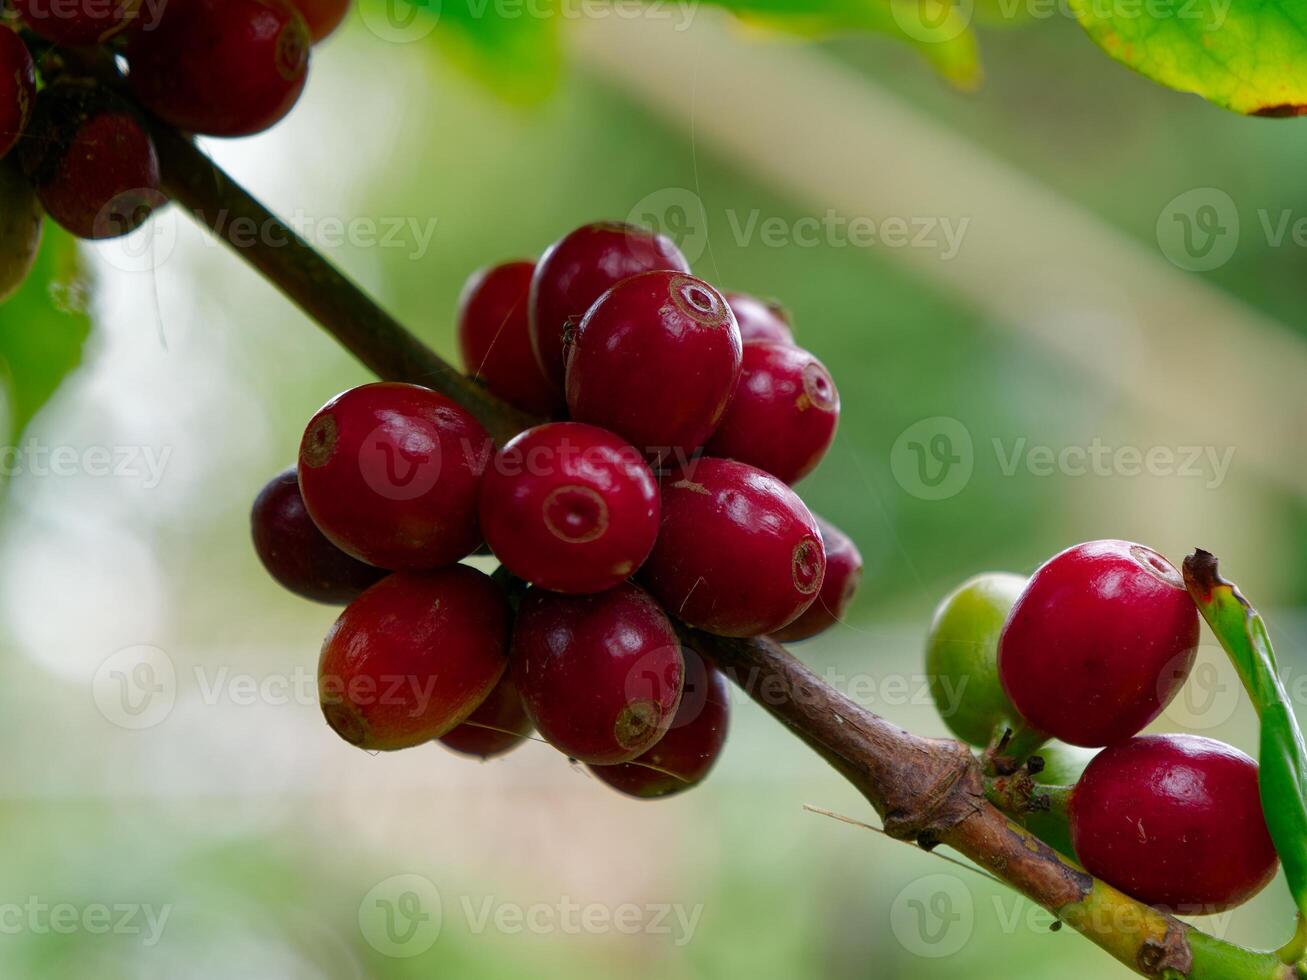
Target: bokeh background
<point>174,806</point>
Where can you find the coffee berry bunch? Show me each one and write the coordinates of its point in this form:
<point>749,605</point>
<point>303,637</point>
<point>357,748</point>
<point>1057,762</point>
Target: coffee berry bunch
<point>1086,653</point>
<point>75,133</point>
<point>653,499</point>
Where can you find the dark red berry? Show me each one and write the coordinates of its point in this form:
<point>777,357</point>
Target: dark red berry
<point>843,574</point>
<point>221,67</point>
<point>600,675</point>
<point>784,413</point>
<point>322,16</point>
<point>683,757</point>
<point>391,472</point>
<point>498,726</point>
<point>297,554</point>
<point>78,22</point>
<point>17,88</point>
<point>760,322</point>
<point>21,222</point>
<point>1175,821</point>
<point>92,161</point>
<point>578,269</point>
<point>657,361</point>
<point>570,507</point>
<point>738,553</point>
<point>1102,638</point>
<point>413,656</point>
<point>496,343</point>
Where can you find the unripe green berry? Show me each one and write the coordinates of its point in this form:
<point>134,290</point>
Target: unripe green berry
<point>1063,766</point>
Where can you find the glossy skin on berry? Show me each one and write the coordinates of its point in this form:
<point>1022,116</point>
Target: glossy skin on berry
<point>497,727</point>
<point>962,657</point>
<point>391,473</point>
<point>843,574</point>
<point>760,322</point>
<point>784,413</point>
<point>322,16</point>
<point>221,67</point>
<point>1175,821</point>
<point>495,340</point>
<point>684,756</point>
<point>579,268</point>
<point>20,227</point>
<point>656,360</point>
<point>1099,643</point>
<point>92,161</point>
<point>17,88</point>
<point>738,553</point>
<point>297,554</point>
<point>78,22</point>
<point>412,657</point>
<point>600,675</point>
<point>570,507</point>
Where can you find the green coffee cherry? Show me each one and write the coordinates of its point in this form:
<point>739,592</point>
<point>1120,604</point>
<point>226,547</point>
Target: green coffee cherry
<point>1063,766</point>
<point>20,227</point>
<point>962,657</point>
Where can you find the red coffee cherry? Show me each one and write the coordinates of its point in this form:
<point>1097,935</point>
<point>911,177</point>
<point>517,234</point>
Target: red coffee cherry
<point>738,553</point>
<point>17,88</point>
<point>600,675</point>
<point>683,757</point>
<point>297,554</point>
<point>77,22</point>
<point>784,413</point>
<point>495,340</point>
<point>1099,643</point>
<point>92,161</point>
<point>221,67</point>
<point>390,473</point>
<point>411,658</point>
<point>497,727</point>
<point>760,322</point>
<point>843,575</point>
<point>570,507</point>
<point>322,16</point>
<point>1175,821</point>
<point>656,360</point>
<point>578,269</point>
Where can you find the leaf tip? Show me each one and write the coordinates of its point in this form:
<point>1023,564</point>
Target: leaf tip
<point>1285,110</point>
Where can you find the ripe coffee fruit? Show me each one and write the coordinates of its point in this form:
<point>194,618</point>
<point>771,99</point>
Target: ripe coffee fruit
<point>600,675</point>
<point>578,269</point>
<point>413,656</point>
<point>92,161</point>
<point>784,413</point>
<point>843,574</point>
<point>297,554</point>
<point>322,16</point>
<point>760,322</point>
<point>221,67</point>
<point>1099,642</point>
<point>20,227</point>
<point>683,757</point>
<point>656,360</point>
<point>962,657</point>
<point>77,22</point>
<point>391,472</point>
<point>1175,821</point>
<point>17,88</point>
<point>570,507</point>
<point>497,727</point>
<point>495,340</point>
<point>738,553</point>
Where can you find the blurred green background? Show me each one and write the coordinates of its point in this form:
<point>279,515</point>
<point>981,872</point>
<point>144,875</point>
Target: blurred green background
<point>227,833</point>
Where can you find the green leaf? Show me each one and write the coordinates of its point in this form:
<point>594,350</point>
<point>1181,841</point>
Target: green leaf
<point>1283,757</point>
<point>43,328</point>
<point>1246,55</point>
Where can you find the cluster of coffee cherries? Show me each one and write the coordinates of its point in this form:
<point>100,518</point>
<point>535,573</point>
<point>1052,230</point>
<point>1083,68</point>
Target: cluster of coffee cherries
<point>75,142</point>
<point>1088,651</point>
<point>656,498</point>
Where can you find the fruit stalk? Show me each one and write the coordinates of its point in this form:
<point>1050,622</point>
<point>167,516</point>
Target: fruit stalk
<point>929,791</point>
